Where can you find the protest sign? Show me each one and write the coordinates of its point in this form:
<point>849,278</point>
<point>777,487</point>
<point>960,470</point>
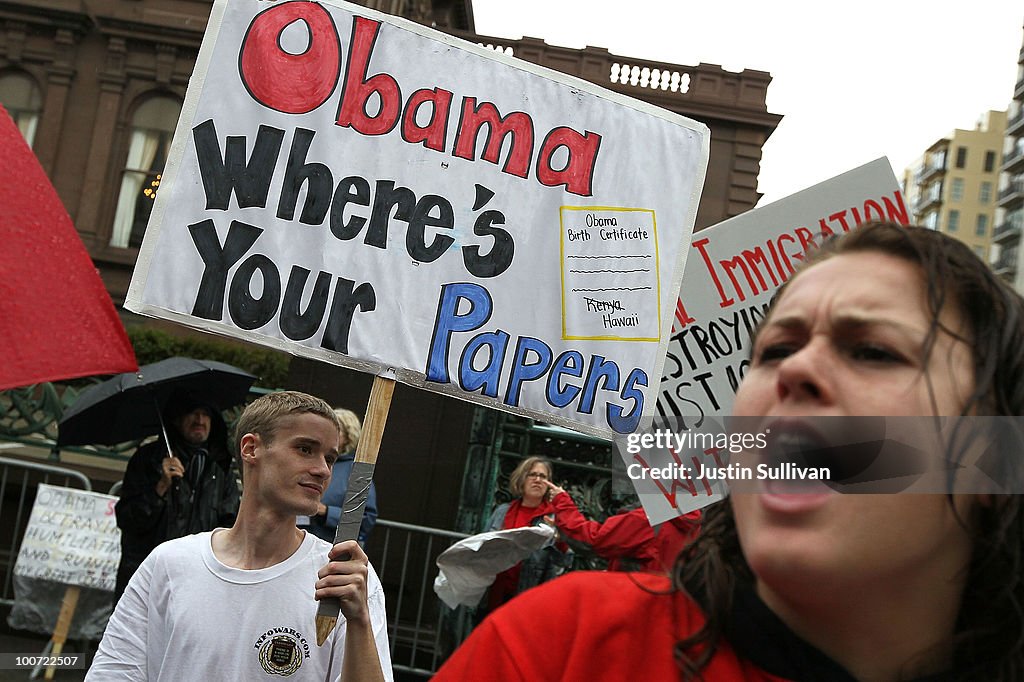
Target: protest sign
<point>733,270</point>
<point>71,538</point>
<point>355,188</point>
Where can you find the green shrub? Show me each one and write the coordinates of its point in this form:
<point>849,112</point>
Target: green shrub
<point>271,367</point>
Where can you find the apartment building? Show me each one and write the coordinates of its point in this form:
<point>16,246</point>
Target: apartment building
<point>952,187</point>
<point>1010,199</point>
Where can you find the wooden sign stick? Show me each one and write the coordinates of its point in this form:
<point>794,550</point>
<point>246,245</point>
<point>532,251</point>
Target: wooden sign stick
<point>60,632</point>
<point>358,488</point>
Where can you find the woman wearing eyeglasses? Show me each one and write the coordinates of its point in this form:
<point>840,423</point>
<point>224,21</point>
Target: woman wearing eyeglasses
<point>531,506</point>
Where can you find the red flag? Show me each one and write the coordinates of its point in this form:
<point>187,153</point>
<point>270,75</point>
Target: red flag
<point>56,319</point>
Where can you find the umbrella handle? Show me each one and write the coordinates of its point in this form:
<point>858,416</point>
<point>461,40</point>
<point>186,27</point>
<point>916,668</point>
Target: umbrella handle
<point>163,427</point>
<point>174,484</point>
<point>167,441</point>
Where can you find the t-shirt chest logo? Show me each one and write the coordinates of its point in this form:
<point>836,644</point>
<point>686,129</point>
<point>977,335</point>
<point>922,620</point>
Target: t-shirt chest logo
<point>281,651</point>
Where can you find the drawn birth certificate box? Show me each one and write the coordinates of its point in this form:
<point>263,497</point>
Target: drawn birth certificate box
<point>610,286</point>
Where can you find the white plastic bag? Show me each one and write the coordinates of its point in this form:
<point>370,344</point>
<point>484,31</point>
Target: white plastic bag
<point>468,567</point>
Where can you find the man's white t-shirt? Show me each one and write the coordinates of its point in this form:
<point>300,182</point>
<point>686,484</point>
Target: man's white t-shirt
<point>187,616</point>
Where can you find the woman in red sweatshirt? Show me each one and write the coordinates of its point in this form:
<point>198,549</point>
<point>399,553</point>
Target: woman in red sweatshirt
<point>531,506</point>
<point>627,540</point>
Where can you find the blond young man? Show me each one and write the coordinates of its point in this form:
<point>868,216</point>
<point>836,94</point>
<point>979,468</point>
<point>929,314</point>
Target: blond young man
<point>239,603</point>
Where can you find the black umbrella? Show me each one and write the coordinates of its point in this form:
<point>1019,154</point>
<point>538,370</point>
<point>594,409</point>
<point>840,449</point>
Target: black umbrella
<point>128,406</point>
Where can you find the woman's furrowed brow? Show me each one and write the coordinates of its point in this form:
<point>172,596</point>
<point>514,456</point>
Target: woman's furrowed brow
<point>846,322</point>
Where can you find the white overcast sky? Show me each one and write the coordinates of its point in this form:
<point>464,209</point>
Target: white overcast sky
<point>853,80</point>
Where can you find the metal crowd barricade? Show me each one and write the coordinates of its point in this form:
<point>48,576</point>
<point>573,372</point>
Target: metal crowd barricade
<point>422,630</point>
<point>17,478</point>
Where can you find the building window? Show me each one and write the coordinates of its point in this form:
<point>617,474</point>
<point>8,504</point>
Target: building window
<point>953,221</point>
<point>985,193</point>
<point>931,220</point>
<point>961,157</point>
<point>981,227</point>
<point>21,98</point>
<point>956,191</point>
<point>990,161</point>
<point>152,128</point>
<point>979,251</point>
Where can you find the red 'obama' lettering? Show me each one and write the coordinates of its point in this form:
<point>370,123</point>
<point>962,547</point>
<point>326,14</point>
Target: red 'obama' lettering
<point>433,134</point>
<point>264,64</point>
<point>517,124</point>
<point>578,173</point>
<point>359,88</point>
<point>299,83</point>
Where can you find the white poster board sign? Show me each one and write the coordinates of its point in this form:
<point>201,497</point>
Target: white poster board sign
<point>355,188</point>
<point>733,270</point>
<point>71,538</point>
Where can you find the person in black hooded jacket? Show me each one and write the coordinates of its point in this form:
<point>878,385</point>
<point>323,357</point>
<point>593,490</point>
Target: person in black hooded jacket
<point>166,496</point>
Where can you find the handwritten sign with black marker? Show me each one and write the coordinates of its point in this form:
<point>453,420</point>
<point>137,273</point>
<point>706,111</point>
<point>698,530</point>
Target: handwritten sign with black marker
<point>352,187</point>
<point>71,538</point>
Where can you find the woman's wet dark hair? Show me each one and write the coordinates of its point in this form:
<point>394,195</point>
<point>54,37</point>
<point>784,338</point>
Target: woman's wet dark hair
<point>988,643</point>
